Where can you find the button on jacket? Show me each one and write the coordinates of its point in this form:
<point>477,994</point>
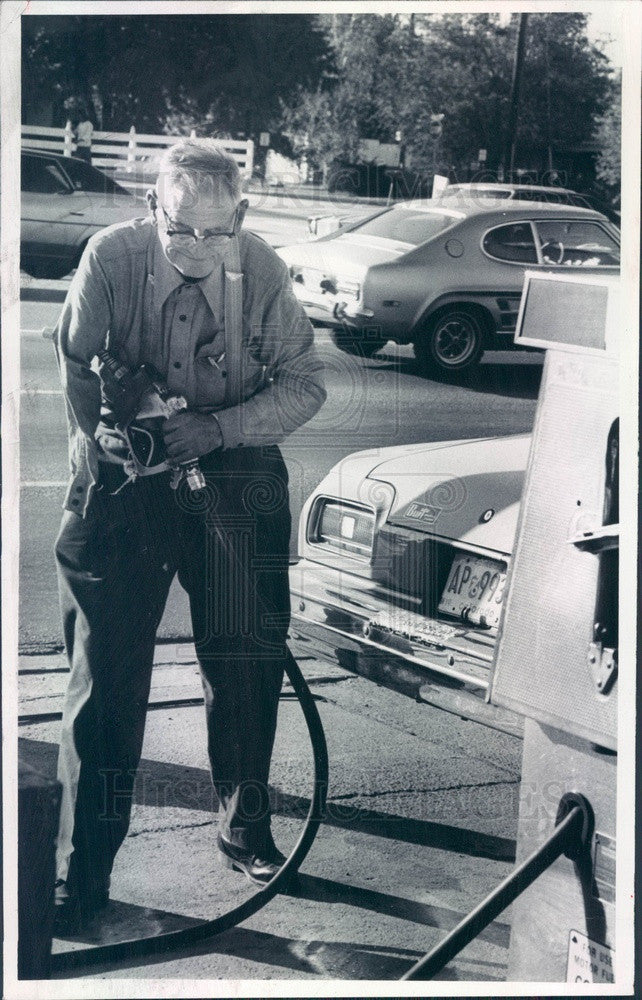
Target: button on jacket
<point>183,337</point>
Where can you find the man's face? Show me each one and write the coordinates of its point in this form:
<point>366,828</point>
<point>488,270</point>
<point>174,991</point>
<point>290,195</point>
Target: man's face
<point>211,214</point>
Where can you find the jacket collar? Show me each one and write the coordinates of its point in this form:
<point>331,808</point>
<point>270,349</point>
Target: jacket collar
<point>167,278</point>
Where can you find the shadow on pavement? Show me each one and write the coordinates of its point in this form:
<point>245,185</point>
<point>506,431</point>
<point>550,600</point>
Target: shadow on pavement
<point>162,784</point>
<point>340,960</point>
<point>125,922</point>
<point>345,960</point>
<point>514,380</point>
<point>325,890</point>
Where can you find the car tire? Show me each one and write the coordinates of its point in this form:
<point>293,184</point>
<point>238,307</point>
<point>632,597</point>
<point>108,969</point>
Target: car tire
<point>451,342</point>
<point>363,347</point>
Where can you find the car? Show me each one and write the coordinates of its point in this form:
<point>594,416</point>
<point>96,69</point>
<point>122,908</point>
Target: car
<point>64,201</point>
<point>521,192</point>
<point>447,279</point>
<point>551,195</point>
<point>321,225</point>
<point>404,553</point>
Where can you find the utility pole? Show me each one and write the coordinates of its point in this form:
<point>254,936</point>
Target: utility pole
<point>436,129</point>
<point>509,144</point>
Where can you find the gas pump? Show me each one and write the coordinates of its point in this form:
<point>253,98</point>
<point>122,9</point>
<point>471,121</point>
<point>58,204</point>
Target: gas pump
<point>556,659</point>
<point>557,653</point>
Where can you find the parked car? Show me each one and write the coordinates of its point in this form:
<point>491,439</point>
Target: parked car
<point>404,554</point>
<point>321,225</point>
<point>528,192</point>
<point>521,192</point>
<point>447,279</point>
<point>65,201</point>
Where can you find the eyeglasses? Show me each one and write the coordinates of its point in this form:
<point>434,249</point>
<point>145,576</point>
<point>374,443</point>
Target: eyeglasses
<point>188,238</point>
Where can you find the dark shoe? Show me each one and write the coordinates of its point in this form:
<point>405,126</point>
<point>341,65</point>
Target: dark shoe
<point>74,910</point>
<point>259,867</point>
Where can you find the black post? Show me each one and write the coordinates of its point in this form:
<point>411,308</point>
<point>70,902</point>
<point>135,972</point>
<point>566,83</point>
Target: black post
<point>38,808</point>
<point>509,144</point>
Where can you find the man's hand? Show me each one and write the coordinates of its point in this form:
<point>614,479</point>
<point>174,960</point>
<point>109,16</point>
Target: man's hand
<point>189,435</point>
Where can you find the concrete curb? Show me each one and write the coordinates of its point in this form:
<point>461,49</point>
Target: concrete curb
<point>30,294</point>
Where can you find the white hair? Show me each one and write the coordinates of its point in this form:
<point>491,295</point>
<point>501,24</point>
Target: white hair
<point>199,166</point>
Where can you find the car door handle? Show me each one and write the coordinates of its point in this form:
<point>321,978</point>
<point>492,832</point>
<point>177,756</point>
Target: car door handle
<point>76,213</point>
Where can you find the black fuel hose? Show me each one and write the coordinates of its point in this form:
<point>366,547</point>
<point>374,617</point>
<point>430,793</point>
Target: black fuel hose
<point>181,939</point>
<point>571,836</point>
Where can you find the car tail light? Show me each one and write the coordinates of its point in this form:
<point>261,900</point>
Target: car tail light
<point>342,526</point>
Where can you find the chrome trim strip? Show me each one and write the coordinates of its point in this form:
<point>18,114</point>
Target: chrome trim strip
<point>363,640</point>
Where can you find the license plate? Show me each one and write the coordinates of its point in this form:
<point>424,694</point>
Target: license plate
<point>474,590</point>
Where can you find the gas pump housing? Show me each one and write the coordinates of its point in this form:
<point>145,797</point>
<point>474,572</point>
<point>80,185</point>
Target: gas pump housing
<point>556,659</point>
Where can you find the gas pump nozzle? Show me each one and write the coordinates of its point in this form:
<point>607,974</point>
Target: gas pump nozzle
<point>145,380</point>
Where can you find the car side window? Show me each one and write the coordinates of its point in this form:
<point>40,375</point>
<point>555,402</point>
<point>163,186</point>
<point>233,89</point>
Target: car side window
<point>570,243</point>
<point>513,243</point>
<point>41,176</point>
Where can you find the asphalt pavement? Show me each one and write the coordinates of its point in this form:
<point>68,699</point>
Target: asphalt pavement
<point>421,825</point>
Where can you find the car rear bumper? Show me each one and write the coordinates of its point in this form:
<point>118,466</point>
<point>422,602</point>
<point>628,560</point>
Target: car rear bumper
<point>354,622</point>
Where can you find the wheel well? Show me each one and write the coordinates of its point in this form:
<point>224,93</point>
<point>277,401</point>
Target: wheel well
<point>482,313</point>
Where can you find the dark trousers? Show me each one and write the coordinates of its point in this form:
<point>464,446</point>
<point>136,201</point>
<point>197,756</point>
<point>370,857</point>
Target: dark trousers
<point>229,545</point>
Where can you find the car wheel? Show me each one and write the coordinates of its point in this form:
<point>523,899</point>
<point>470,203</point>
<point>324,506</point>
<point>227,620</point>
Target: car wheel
<point>452,342</point>
<point>363,347</point>
<point>53,269</point>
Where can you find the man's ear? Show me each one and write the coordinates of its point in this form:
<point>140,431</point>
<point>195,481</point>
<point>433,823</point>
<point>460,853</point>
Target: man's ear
<point>152,200</point>
<point>242,209</point>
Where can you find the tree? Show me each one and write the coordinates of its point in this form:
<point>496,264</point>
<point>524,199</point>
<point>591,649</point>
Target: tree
<point>221,73</point>
<point>608,134</point>
<point>361,92</point>
<point>390,73</point>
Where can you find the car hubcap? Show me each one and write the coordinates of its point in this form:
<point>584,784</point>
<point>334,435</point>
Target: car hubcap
<point>455,341</point>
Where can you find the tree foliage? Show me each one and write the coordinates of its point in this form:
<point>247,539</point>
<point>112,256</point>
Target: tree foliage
<point>608,134</point>
<point>329,80</point>
<point>222,73</point>
<point>390,73</point>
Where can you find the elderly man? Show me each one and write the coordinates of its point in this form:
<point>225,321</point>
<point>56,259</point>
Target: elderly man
<point>210,309</point>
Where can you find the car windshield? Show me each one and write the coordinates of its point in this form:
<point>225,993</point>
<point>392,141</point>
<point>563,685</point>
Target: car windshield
<point>86,178</point>
<point>406,225</point>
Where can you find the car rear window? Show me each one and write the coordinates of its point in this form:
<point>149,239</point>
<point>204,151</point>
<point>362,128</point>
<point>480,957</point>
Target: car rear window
<point>514,242</point>
<point>406,225</point>
<point>86,178</point>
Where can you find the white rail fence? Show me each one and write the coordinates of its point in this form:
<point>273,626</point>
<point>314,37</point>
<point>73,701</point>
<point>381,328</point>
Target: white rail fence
<point>131,151</point>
